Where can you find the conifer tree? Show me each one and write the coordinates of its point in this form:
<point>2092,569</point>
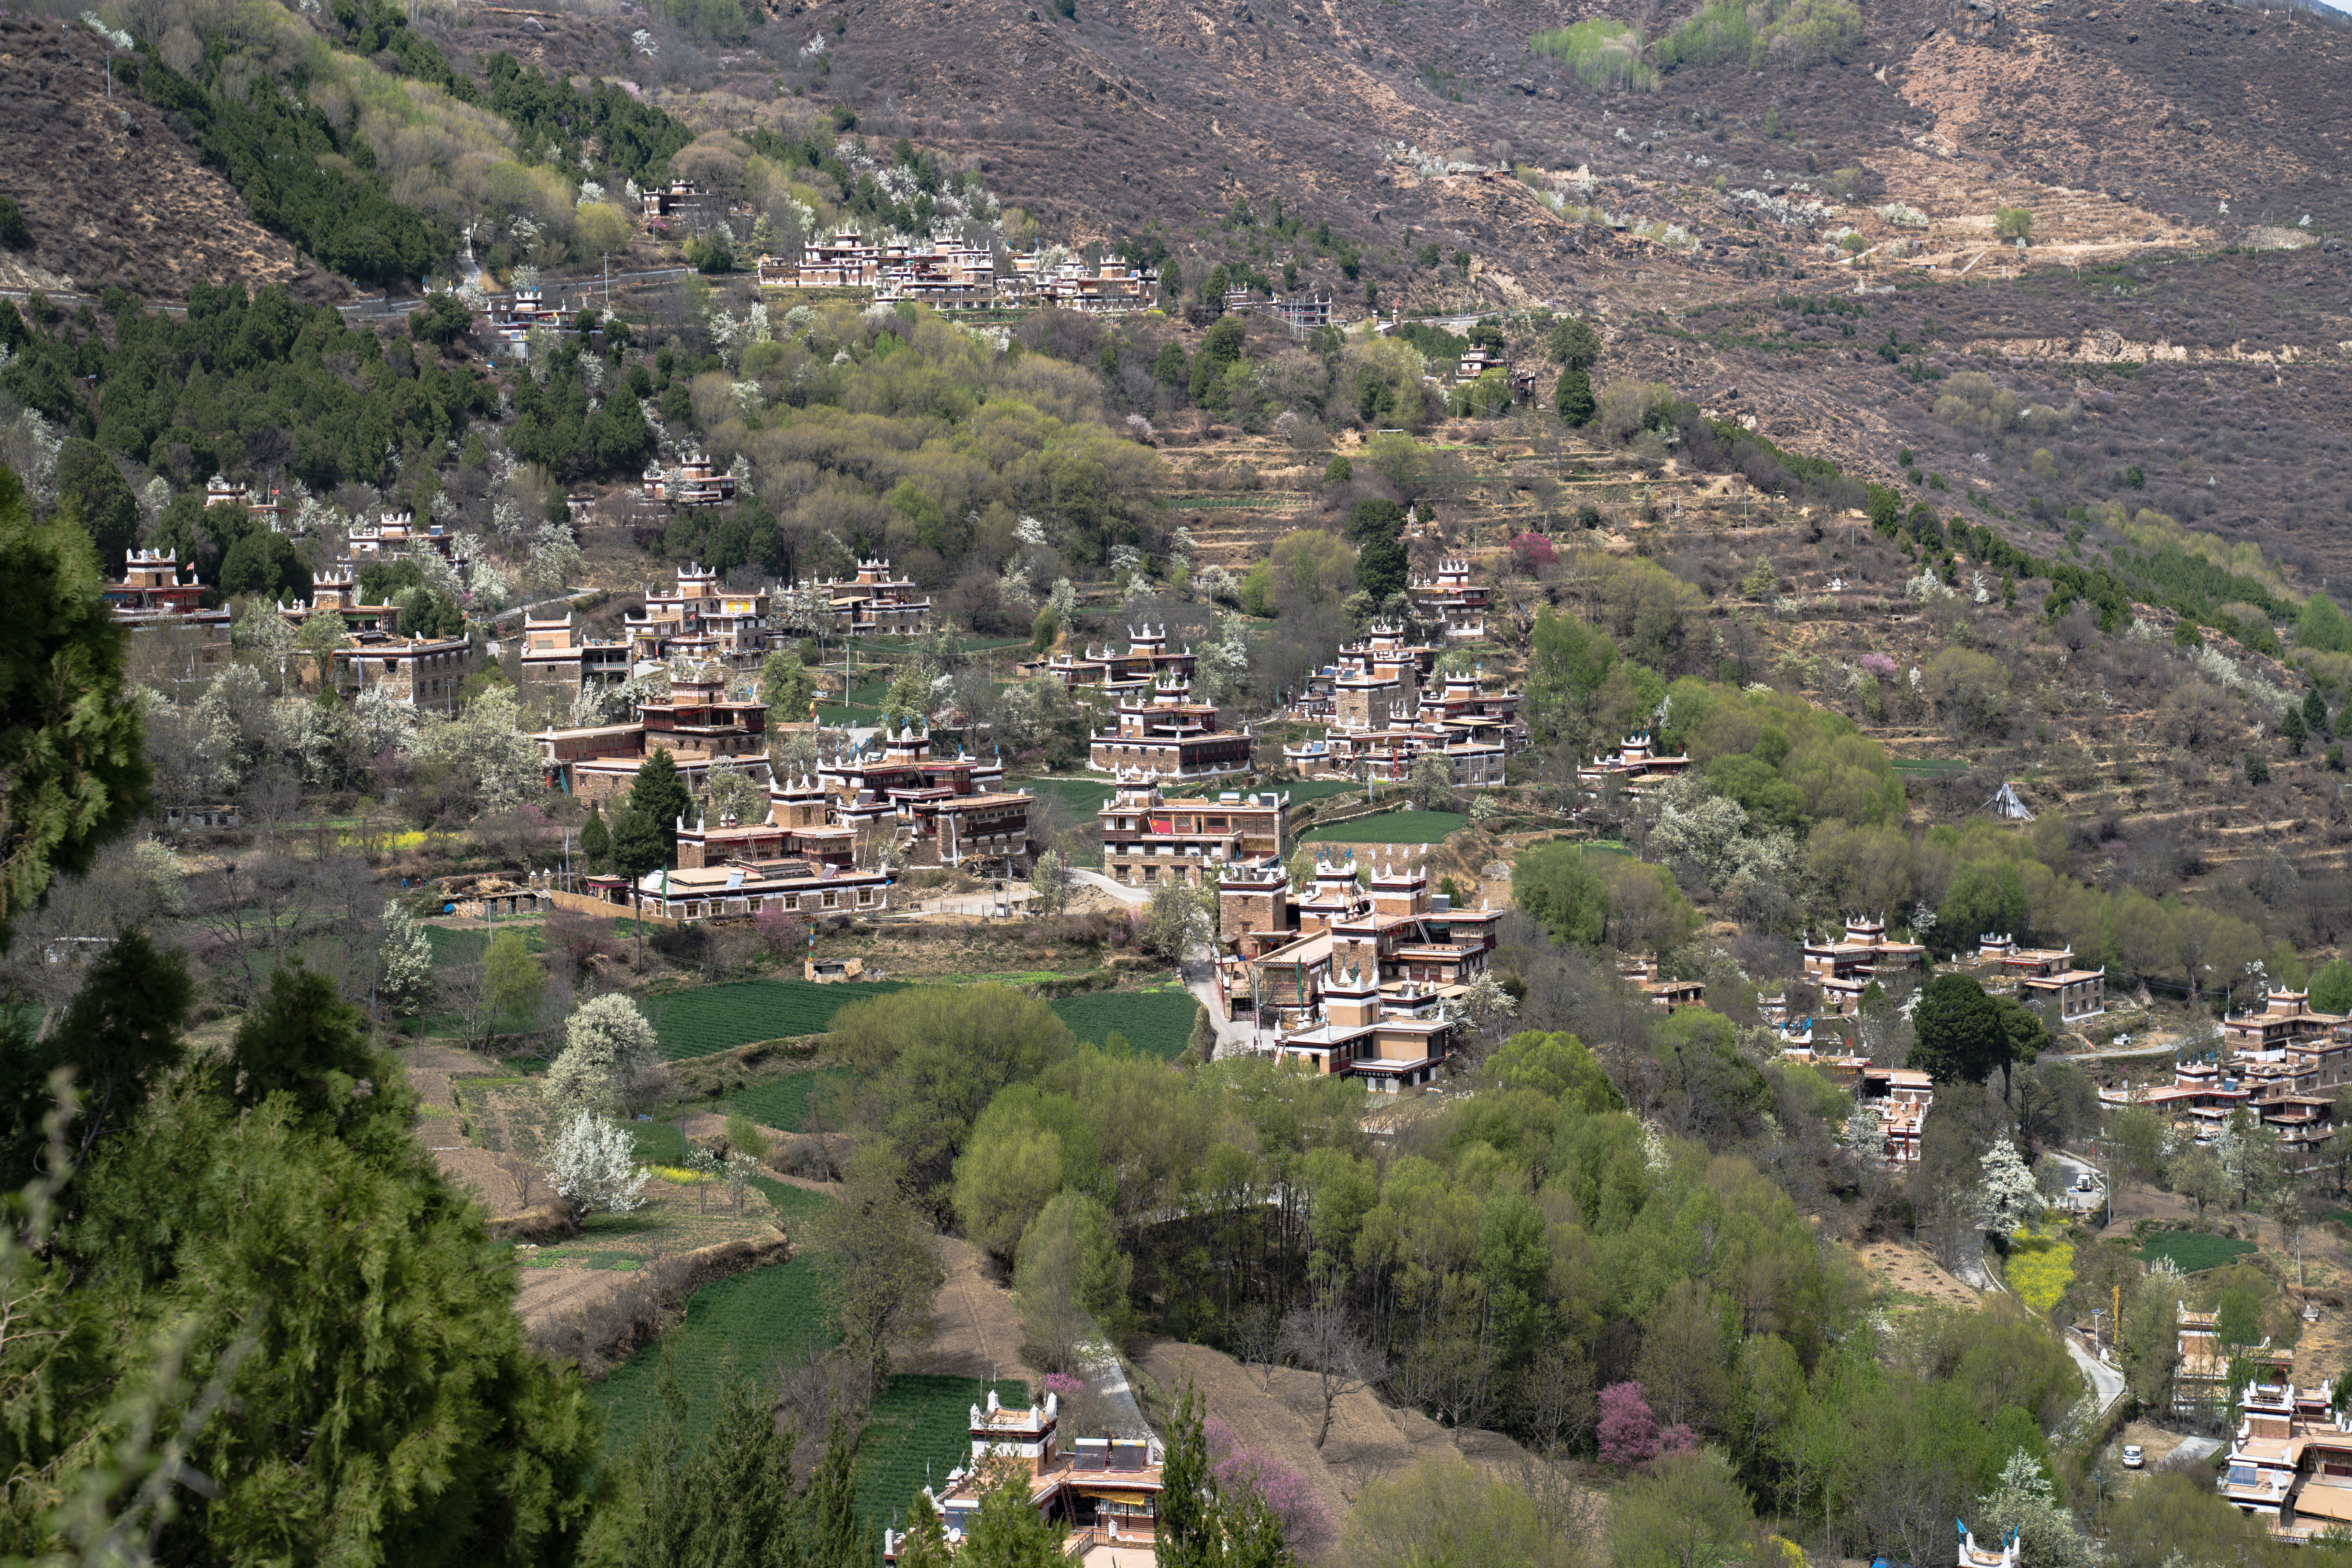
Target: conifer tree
<point>70,743</point>
<point>595,842</point>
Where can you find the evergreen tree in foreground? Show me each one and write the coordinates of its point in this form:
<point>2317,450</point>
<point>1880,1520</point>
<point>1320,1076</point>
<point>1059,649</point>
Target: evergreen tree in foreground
<point>265,1328</point>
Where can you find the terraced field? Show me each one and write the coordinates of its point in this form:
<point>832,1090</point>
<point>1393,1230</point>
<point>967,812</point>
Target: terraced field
<point>720,1017</point>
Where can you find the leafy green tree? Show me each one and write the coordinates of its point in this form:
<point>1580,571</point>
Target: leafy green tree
<point>884,1260</point>
<point>265,563</point>
<point>512,980</point>
<point>1564,888</point>
<point>640,846</point>
<point>929,1058</point>
<point>2013,223</point>
<point>1338,470</point>
<point>1221,350</point>
<point>1443,1511</point>
<point>71,747</point>
<point>1687,1511</point>
<point>1554,1065</point>
<point>1072,1280</point>
<point>442,319</point>
<point>2331,987</point>
<point>94,491</point>
<point>1572,400</point>
<point>787,687</point>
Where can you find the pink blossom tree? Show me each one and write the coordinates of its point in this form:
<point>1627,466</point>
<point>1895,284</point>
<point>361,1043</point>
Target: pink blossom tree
<point>1628,1431</point>
<point>1531,552</point>
<point>1307,1527</point>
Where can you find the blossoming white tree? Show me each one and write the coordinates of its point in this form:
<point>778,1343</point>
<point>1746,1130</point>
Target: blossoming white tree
<point>609,1052</point>
<point>2009,1200</point>
<point>406,967</point>
<point>593,1168</point>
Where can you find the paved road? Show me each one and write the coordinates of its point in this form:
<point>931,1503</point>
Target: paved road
<point>1119,891</point>
<point>2081,1202</point>
<point>2104,1379</point>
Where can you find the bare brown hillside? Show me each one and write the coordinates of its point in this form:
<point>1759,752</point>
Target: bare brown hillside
<point>110,194</point>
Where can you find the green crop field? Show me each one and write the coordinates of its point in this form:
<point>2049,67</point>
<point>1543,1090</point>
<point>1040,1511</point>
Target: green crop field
<point>783,1103</point>
<point>1390,827</point>
<point>2193,1251</point>
<point>1156,1023</point>
<point>919,1430</point>
<point>750,1321</point>
<point>720,1017</point>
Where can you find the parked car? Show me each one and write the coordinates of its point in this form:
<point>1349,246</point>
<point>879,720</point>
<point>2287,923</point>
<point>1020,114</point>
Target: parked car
<point>2134,1456</point>
<point>2083,1182</point>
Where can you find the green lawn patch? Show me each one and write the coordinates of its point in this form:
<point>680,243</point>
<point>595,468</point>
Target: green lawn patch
<point>1083,796</point>
<point>2193,1251</point>
<point>712,1019</point>
<point>1156,1023</point>
<point>1390,827</point>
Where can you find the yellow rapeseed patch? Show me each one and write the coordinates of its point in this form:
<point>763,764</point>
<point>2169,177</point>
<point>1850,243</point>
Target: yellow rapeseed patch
<point>2040,1268</point>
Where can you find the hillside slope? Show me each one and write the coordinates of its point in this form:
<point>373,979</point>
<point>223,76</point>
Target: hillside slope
<point>110,193</point>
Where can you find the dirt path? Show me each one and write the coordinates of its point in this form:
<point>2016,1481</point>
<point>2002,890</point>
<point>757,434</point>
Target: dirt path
<point>978,1332</point>
<point>547,1294</point>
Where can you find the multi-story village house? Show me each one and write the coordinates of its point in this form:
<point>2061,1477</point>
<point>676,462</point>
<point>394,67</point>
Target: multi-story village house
<point>1106,1491</point>
<point>1148,839</point>
<point>166,614</point>
<point>1167,735</point>
<point>1278,951</point>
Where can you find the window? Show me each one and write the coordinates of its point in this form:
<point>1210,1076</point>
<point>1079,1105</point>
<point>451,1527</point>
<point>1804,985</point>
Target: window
<point>832,901</point>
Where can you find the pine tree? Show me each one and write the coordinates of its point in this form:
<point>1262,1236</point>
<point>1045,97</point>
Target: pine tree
<point>2315,712</point>
<point>267,1254</point>
<point>925,1543</point>
<point>2295,729</point>
<point>1572,398</point>
<point>660,796</point>
<point>121,1035</point>
<point>595,842</point>
<point>835,1538</point>
<point>1008,1531</point>
<point>1187,1531</point>
<point>70,742</point>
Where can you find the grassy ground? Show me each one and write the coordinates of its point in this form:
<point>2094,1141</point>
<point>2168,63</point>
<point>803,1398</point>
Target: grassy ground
<point>1390,827</point>
<point>711,1018</point>
<point>1083,796</point>
<point>1156,1023</point>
